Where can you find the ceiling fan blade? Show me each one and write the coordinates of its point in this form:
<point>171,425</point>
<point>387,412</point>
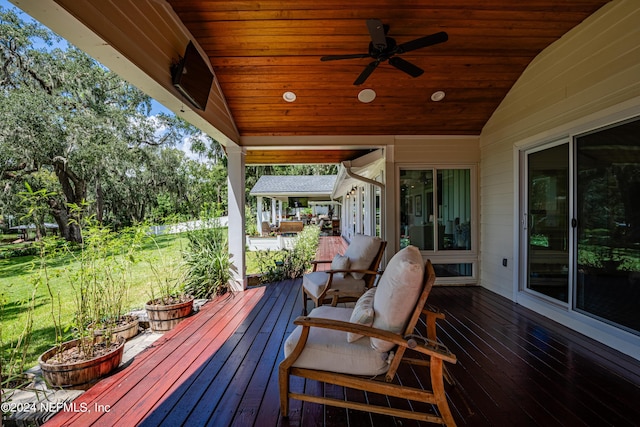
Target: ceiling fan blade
<point>377,33</point>
<point>366,73</point>
<point>406,66</point>
<point>352,56</point>
<point>425,41</point>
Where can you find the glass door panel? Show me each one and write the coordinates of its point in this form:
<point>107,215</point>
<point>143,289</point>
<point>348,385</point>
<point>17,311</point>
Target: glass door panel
<point>454,204</point>
<point>416,209</point>
<point>608,232</point>
<point>547,231</point>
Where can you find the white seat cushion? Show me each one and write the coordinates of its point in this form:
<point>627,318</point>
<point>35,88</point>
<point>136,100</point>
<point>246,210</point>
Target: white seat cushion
<point>361,252</point>
<point>328,350</point>
<point>315,282</point>
<point>397,293</point>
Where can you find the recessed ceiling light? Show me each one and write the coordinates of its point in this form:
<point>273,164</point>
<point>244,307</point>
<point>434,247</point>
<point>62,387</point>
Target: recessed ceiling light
<point>366,95</point>
<point>437,96</point>
<point>289,96</point>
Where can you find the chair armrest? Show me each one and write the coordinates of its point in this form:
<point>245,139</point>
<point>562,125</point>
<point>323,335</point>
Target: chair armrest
<point>430,309</point>
<point>351,271</point>
<point>428,348</point>
<point>315,263</point>
<point>432,314</point>
<point>336,294</point>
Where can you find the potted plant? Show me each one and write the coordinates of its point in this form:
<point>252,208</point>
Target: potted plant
<point>100,289</point>
<point>106,258</point>
<point>169,303</point>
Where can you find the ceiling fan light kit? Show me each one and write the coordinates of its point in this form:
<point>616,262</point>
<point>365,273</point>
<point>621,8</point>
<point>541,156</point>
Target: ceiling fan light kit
<point>383,48</point>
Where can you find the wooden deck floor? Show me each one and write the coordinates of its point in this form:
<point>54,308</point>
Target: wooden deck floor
<point>219,368</point>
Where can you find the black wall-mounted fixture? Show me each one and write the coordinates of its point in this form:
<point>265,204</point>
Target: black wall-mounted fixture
<point>192,77</point>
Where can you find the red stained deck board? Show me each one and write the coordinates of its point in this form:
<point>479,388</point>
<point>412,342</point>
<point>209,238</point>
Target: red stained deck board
<point>330,246</point>
<point>133,392</point>
<point>156,374</point>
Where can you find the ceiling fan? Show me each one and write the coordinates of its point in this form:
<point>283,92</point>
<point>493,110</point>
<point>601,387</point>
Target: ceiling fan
<point>382,48</point>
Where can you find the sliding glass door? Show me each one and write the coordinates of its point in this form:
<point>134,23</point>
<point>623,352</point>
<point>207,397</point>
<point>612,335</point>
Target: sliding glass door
<point>581,224</point>
<point>547,231</point>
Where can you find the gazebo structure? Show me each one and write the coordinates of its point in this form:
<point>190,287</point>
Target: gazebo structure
<point>297,191</point>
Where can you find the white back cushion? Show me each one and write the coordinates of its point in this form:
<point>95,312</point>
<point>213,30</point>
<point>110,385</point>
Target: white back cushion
<point>361,252</point>
<point>397,293</point>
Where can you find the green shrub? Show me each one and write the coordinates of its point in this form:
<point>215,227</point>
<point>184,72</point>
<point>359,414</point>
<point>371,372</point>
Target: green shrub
<point>289,264</point>
<point>10,252</point>
<point>207,262</point>
<point>269,264</point>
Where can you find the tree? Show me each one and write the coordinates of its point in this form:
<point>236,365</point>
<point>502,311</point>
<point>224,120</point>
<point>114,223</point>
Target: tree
<point>64,112</point>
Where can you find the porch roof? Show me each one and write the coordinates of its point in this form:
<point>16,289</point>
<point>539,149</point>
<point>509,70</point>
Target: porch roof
<point>318,187</point>
<point>258,50</point>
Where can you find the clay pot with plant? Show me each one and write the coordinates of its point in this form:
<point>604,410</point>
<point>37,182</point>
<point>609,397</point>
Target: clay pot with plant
<point>100,284</point>
<point>169,303</point>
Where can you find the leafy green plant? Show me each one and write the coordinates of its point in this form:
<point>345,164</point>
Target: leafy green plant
<point>14,354</point>
<point>167,286</point>
<point>206,261</point>
<point>270,265</point>
<point>47,249</point>
<point>292,263</point>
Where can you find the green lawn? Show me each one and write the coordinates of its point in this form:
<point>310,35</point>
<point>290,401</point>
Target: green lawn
<point>17,287</point>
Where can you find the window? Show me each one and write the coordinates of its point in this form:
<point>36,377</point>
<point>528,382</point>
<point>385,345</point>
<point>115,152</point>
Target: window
<point>436,216</point>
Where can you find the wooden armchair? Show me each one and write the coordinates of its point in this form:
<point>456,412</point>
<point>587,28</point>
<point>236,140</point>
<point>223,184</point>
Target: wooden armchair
<point>350,275</point>
<point>320,348</point>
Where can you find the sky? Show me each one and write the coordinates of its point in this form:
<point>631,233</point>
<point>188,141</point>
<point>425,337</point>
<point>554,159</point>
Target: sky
<point>156,107</point>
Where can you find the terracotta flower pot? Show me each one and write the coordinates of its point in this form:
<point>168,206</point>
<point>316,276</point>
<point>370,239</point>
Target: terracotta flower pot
<point>163,318</point>
<point>78,375</point>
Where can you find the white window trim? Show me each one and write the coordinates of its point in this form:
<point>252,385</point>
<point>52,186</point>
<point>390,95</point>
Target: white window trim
<point>449,256</point>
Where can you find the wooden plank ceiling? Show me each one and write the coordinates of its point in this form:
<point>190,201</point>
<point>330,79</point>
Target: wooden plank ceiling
<point>260,49</point>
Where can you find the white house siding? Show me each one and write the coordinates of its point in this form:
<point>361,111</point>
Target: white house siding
<point>437,150</point>
<point>590,73</point>
<point>496,218</point>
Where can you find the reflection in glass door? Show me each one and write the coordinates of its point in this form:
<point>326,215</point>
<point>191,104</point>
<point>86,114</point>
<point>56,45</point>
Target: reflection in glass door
<point>547,226</point>
<point>608,227</point>
<point>583,246</point>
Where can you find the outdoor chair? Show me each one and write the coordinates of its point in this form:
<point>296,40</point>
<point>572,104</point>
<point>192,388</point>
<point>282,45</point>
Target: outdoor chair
<point>350,275</point>
<point>362,348</point>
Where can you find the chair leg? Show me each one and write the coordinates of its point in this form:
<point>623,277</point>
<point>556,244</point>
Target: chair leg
<point>284,391</point>
<point>304,302</point>
<point>437,384</point>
